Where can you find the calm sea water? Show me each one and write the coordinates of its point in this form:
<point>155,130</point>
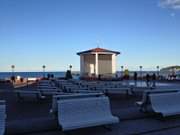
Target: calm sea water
<point>4,75</point>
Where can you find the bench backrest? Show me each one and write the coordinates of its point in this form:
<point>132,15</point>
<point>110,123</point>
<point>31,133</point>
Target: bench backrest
<point>165,101</point>
<point>83,109</point>
<point>82,91</point>
<point>56,98</point>
<point>46,87</point>
<point>28,94</point>
<point>2,116</point>
<point>146,93</point>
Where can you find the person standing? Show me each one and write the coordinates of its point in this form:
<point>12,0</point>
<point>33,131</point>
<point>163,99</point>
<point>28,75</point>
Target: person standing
<point>135,78</point>
<point>126,77</point>
<point>147,79</point>
<point>154,80</point>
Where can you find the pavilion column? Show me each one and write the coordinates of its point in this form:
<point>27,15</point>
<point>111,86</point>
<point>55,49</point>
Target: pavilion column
<point>96,64</point>
<point>82,65</point>
<point>113,63</point>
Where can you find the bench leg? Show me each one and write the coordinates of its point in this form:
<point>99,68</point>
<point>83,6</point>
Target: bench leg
<point>65,133</point>
<point>39,96</point>
<point>106,93</point>
<point>160,117</point>
<point>107,127</point>
<point>127,94</point>
<point>132,91</point>
<point>20,98</point>
<point>144,108</point>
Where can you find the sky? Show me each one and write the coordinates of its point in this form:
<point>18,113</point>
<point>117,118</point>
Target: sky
<point>50,32</point>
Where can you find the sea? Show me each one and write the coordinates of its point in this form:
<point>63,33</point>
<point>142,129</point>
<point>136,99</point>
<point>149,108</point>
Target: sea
<point>6,75</point>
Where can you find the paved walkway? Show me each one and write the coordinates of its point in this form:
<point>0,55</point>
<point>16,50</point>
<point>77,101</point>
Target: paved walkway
<point>33,118</point>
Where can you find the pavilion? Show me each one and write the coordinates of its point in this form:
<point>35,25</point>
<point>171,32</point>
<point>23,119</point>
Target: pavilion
<point>97,61</point>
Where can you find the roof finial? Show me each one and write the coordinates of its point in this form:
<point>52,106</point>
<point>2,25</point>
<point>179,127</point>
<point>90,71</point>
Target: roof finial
<point>98,43</point>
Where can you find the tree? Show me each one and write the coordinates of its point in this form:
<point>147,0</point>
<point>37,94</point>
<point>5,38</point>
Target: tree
<point>44,70</point>
<point>13,67</point>
<point>70,67</point>
<point>68,74</point>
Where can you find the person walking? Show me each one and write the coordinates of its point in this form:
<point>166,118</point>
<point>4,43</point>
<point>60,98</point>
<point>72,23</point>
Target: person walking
<point>154,80</point>
<point>135,78</point>
<point>147,80</point>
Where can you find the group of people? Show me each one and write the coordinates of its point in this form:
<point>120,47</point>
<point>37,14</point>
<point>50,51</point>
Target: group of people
<point>150,79</point>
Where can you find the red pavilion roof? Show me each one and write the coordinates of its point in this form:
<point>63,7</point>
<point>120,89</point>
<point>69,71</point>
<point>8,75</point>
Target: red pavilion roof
<point>98,50</point>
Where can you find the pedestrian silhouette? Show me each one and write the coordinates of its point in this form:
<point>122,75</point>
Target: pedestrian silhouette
<point>147,80</point>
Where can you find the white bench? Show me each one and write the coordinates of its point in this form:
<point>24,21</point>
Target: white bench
<point>22,94</point>
<point>49,91</point>
<point>167,104</point>
<point>85,112</point>
<point>127,90</point>
<point>144,103</point>
<point>2,117</point>
<point>52,93</point>
<point>47,87</point>
<point>83,91</point>
<point>64,96</point>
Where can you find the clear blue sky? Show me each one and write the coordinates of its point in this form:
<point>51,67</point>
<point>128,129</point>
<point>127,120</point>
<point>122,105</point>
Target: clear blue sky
<point>50,32</point>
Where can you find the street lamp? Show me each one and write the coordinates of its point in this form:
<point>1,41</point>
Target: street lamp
<point>140,71</point>
<point>122,71</point>
<point>70,67</point>
<point>12,67</point>
<point>157,71</point>
<point>140,67</point>
<point>44,70</point>
<point>13,77</point>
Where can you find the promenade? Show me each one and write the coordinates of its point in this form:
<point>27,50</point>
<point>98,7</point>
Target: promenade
<point>33,117</point>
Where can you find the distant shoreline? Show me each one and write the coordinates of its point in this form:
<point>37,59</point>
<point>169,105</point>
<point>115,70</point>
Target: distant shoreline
<point>6,75</point>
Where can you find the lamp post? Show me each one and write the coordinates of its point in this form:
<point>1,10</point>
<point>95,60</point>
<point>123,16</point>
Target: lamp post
<point>122,67</point>
<point>157,71</point>
<point>70,67</point>
<point>12,67</point>
<point>43,70</point>
<point>140,67</point>
<point>13,77</point>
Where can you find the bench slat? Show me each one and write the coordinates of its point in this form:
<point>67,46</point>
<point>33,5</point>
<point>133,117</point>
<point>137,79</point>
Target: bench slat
<point>2,117</point>
<point>167,103</point>
<point>84,112</point>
